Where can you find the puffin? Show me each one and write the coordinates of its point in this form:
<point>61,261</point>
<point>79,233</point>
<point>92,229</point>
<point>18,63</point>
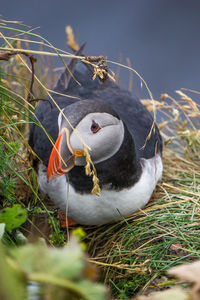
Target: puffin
<point>115,127</point>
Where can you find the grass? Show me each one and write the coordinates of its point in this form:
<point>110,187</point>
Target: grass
<point>134,254</point>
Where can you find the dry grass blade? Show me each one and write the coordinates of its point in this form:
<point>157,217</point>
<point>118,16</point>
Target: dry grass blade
<point>96,189</point>
<point>70,38</point>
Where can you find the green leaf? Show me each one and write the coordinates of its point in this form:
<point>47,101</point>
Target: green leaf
<point>67,261</point>
<point>13,217</point>
<point>60,268</point>
<point>12,283</point>
<point>93,290</point>
<point>61,262</point>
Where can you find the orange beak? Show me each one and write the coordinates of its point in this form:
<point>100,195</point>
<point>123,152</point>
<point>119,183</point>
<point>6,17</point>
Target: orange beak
<point>62,158</point>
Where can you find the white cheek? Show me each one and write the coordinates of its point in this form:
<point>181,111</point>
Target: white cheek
<point>103,144</point>
<point>107,143</point>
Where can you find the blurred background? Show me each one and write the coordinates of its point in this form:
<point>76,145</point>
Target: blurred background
<point>160,37</point>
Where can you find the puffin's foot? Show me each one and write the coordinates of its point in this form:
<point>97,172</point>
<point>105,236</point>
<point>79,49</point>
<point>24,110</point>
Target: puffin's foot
<point>151,198</point>
<point>64,221</point>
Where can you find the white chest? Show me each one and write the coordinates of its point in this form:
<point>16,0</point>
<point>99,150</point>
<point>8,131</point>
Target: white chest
<point>110,206</point>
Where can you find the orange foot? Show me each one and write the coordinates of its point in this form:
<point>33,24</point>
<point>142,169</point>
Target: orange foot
<point>151,199</point>
<point>64,221</point>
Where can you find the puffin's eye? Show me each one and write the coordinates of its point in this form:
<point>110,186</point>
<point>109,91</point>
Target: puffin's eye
<point>95,127</point>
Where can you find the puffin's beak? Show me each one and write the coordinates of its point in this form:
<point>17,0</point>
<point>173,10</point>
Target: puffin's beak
<point>62,158</point>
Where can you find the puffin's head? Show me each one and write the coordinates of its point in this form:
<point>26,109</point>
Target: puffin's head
<point>99,127</point>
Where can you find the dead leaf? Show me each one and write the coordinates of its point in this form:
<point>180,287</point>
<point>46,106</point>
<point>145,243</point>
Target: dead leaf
<point>173,294</point>
<point>187,272</point>
<point>191,273</point>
